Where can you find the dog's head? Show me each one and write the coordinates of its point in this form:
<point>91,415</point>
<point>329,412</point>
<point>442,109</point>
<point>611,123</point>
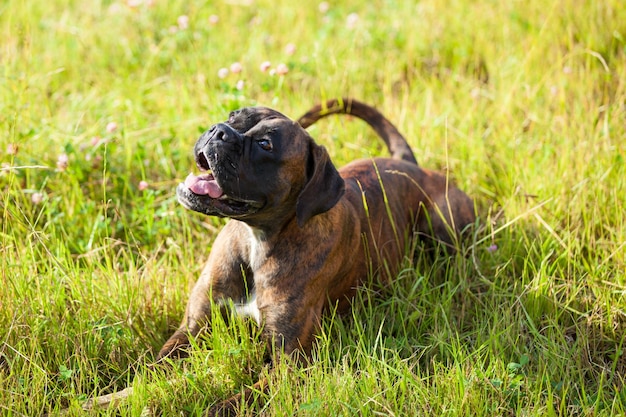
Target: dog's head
<point>262,168</point>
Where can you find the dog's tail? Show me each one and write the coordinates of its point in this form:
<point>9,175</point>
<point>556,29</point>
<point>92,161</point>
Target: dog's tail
<point>396,143</point>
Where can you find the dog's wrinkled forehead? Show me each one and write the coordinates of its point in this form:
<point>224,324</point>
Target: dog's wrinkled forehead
<point>245,119</point>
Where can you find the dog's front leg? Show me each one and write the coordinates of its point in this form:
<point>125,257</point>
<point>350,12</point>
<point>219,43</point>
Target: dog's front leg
<point>224,277</point>
<point>288,327</point>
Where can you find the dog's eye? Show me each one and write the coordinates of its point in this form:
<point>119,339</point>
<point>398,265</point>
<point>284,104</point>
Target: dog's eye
<point>265,144</point>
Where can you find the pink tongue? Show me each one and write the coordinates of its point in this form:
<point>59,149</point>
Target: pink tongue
<point>203,185</point>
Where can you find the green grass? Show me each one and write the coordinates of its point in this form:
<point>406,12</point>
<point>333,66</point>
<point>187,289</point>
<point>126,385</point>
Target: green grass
<point>523,103</point>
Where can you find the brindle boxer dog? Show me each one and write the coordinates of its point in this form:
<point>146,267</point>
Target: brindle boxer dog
<point>303,235</point>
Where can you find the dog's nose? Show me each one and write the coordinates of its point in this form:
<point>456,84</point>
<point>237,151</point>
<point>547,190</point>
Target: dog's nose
<point>223,132</point>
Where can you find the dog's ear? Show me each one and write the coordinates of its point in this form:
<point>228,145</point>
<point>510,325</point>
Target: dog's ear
<point>324,188</point>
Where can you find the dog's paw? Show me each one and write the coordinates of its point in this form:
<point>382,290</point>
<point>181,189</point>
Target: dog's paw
<point>226,408</point>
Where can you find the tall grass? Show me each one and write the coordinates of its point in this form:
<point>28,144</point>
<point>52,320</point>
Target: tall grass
<point>522,103</point>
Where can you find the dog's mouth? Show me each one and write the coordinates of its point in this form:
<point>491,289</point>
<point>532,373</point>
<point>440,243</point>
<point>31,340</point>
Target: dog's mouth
<point>211,192</point>
<point>204,184</point>
<point>203,194</point>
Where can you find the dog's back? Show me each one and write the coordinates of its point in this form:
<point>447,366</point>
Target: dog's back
<point>395,197</point>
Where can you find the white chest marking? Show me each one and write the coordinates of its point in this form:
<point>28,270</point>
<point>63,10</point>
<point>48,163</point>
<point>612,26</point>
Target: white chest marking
<point>250,309</point>
<point>257,256</point>
<point>257,248</point>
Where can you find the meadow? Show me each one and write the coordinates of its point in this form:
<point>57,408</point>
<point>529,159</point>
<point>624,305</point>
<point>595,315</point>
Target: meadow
<point>522,104</point>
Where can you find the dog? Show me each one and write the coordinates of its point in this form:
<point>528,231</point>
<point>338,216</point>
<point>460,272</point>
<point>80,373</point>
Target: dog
<point>303,235</point>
